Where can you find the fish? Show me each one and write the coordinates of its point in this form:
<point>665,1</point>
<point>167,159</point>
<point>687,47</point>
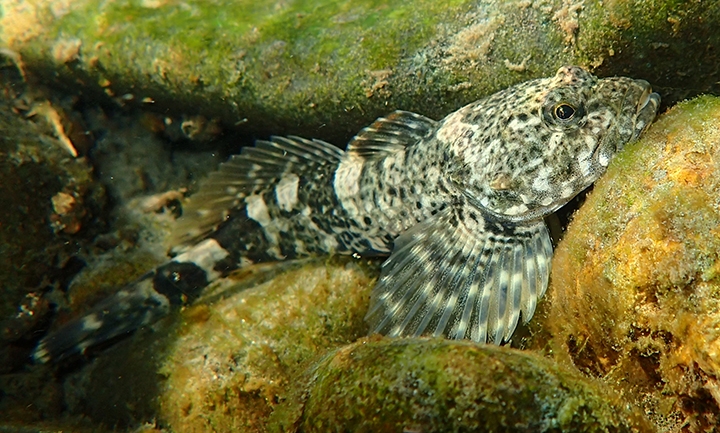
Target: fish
<point>457,206</point>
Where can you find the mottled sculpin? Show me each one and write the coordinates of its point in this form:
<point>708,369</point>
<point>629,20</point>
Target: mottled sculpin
<point>458,206</point>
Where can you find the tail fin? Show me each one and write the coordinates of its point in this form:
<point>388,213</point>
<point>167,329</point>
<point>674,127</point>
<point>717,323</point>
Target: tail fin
<point>135,306</point>
<point>143,302</point>
<point>237,216</point>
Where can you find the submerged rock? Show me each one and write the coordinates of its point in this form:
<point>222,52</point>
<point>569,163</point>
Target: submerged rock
<point>324,68</point>
<point>227,361</point>
<point>418,385</point>
<point>235,360</point>
<point>635,290</point>
<point>48,207</point>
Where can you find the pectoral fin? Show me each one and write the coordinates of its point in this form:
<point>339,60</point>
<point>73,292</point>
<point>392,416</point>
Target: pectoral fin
<point>459,278</point>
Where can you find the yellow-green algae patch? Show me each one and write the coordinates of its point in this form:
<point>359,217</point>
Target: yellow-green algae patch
<point>325,68</point>
<point>231,357</point>
<point>635,288</point>
<point>232,362</point>
<point>420,385</point>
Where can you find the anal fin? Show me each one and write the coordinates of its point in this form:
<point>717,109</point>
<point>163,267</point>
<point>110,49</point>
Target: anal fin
<point>462,279</point>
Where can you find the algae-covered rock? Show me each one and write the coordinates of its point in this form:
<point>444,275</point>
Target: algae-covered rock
<point>48,201</point>
<point>394,385</point>
<point>230,358</point>
<point>635,287</point>
<point>40,184</point>
<point>325,68</point>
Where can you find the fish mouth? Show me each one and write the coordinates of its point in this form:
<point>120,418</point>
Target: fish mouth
<point>647,108</point>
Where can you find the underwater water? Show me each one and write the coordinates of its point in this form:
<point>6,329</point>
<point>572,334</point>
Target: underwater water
<point>115,113</point>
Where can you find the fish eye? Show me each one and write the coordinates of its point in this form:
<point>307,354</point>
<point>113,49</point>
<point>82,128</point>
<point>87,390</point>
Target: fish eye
<point>564,111</point>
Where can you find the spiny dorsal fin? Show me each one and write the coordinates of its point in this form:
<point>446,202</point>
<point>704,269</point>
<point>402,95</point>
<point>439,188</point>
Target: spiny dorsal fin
<point>390,134</point>
<point>254,170</point>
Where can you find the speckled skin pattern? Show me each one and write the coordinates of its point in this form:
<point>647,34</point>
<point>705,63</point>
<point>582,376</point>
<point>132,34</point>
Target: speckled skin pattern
<point>458,205</point>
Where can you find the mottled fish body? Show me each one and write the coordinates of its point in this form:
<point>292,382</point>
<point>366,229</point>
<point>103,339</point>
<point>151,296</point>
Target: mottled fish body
<point>458,206</point>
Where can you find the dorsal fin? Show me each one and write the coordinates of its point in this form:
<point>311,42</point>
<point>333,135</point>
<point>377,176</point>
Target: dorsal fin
<point>389,134</point>
<point>254,170</point>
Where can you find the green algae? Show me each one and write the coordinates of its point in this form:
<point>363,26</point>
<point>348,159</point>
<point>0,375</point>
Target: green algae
<point>449,386</point>
<point>670,43</point>
<point>281,61</point>
<point>325,69</point>
<point>635,293</point>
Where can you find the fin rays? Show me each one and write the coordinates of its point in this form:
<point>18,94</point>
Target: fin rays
<point>388,134</point>
<point>254,171</point>
<point>124,312</point>
<point>445,280</point>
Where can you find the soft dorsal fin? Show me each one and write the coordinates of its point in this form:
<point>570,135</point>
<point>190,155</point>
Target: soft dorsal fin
<point>389,134</point>
<point>254,170</point>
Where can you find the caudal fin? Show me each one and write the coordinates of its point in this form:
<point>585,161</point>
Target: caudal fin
<point>139,304</point>
<point>122,313</point>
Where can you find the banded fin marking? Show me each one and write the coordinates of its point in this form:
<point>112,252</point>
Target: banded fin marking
<point>125,311</point>
<point>391,134</point>
<point>254,171</point>
<point>140,303</point>
<point>447,279</point>
<point>205,255</point>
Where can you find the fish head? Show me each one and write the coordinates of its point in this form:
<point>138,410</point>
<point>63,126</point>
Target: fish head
<point>622,109</point>
<point>549,139</point>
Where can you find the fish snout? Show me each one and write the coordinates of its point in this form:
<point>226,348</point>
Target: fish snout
<point>647,107</point>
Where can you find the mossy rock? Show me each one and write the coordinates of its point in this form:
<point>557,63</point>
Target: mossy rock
<point>634,297</point>
<point>392,385</point>
<point>225,363</point>
<point>325,68</point>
